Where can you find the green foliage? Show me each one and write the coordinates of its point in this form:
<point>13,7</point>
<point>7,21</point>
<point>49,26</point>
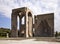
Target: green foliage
<point>4,31</point>
<point>59,33</point>
<point>56,34</point>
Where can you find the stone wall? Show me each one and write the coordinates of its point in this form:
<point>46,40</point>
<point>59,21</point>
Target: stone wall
<point>44,25</point>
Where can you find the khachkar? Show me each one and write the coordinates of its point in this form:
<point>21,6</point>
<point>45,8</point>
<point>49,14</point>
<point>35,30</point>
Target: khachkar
<point>44,25</point>
<point>21,12</point>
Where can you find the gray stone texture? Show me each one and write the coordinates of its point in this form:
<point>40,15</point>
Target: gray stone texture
<point>44,25</point>
<point>24,30</point>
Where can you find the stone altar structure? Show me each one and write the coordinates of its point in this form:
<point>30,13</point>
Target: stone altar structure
<point>43,26</point>
<point>21,12</point>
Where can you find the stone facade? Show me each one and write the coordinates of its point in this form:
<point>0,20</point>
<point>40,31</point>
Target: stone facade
<point>27,30</point>
<point>44,25</point>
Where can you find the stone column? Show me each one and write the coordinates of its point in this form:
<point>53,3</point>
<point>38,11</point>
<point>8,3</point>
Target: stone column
<point>30,25</point>
<point>27,25</point>
<point>14,31</point>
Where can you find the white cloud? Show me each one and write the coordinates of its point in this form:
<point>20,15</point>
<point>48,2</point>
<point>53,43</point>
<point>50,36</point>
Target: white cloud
<point>36,6</point>
<point>6,7</point>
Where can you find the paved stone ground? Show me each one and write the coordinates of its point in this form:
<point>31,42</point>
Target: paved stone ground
<point>26,41</point>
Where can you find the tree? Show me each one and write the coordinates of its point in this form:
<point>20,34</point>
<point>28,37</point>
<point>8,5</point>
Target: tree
<point>56,34</point>
<point>4,31</point>
<point>59,33</point>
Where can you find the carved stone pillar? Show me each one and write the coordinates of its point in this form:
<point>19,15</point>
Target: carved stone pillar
<point>14,31</point>
<point>27,26</point>
<point>30,25</point>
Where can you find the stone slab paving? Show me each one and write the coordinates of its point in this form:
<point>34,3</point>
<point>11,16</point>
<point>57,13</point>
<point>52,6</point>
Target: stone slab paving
<point>26,41</point>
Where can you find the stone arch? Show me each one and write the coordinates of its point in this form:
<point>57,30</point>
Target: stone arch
<point>21,12</point>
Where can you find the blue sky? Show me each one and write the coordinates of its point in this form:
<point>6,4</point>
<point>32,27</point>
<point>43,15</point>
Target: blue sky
<point>36,6</point>
<point>4,21</point>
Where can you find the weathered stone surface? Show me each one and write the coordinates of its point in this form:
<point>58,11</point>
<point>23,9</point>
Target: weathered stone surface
<point>14,31</point>
<point>27,28</point>
<point>30,23</point>
<point>44,25</point>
